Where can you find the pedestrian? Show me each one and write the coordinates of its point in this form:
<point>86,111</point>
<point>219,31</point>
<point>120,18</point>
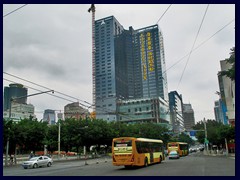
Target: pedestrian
<point>31,155</point>
<point>11,159</point>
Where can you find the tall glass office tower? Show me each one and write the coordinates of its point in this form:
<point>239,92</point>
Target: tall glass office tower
<point>149,55</point>
<point>129,64</point>
<point>107,76</point>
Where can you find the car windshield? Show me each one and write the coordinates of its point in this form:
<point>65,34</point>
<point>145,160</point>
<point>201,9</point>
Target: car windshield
<point>33,159</point>
<point>173,152</point>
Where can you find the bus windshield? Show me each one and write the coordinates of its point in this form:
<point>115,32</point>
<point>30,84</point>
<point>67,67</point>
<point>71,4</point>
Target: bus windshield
<point>122,146</point>
<point>172,145</point>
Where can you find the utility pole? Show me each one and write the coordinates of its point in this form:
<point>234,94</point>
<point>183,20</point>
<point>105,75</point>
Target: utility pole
<point>60,118</point>
<point>205,130</point>
<point>93,9</point>
<point>59,138</point>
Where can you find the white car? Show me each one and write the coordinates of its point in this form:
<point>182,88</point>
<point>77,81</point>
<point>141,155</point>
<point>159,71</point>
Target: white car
<point>173,155</point>
<point>39,161</point>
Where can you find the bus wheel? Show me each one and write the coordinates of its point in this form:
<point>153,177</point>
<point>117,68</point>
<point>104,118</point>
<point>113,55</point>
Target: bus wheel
<point>160,159</point>
<point>146,162</point>
<point>127,167</point>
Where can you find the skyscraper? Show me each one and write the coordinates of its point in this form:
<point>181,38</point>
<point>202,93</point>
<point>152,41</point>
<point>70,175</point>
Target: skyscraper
<point>150,75</point>
<point>14,90</point>
<point>188,115</point>
<point>176,111</point>
<point>129,64</point>
<point>49,116</point>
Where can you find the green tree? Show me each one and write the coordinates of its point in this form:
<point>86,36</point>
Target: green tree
<point>216,132</point>
<point>231,60</point>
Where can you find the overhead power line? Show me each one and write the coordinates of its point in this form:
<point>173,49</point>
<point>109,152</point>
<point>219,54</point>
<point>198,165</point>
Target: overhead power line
<point>47,88</point>
<point>87,106</point>
<point>200,45</point>
<point>48,93</point>
<point>14,10</point>
<point>164,13</point>
<point>193,44</point>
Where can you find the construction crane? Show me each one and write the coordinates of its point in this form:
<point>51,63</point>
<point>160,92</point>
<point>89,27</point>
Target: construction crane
<point>93,9</point>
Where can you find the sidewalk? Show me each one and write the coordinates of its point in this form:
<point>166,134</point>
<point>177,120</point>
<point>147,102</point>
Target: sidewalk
<point>89,160</point>
<point>219,154</point>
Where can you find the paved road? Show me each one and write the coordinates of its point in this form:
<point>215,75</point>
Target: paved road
<point>196,164</point>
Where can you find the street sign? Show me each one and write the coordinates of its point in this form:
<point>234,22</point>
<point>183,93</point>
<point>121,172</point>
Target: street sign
<point>192,133</point>
<point>206,141</point>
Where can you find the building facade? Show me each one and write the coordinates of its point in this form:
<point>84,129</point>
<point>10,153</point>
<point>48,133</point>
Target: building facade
<point>14,90</point>
<point>188,116</point>
<point>227,93</point>
<point>49,116</point>
<point>20,111</point>
<point>129,64</point>
<point>143,110</point>
<point>176,115</point>
<point>220,112</point>
<point>74,110</point>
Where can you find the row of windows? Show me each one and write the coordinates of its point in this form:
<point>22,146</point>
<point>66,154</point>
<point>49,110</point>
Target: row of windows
<point>103,63</point>
<point>149,147</point>
<point>102,56</point>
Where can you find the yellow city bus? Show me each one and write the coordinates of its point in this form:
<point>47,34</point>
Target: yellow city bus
<point>131,151</point>
<point>180,147</point>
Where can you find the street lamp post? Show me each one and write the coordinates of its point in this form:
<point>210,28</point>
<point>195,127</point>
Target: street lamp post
<point>60,117</point>
<point>205,130</point>
<point>9,118</point>
<point>59,138</point>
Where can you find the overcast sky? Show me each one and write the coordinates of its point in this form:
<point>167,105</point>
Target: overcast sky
<point>51,45</point>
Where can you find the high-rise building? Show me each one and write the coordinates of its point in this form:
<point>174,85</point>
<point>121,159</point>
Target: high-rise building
<point>14,90</point>
<point>227,93</point>
<point>19,107</point>
<point>150,74</point>
<point>129,64</point>
<point>176,111</point>
<point>188,115</point>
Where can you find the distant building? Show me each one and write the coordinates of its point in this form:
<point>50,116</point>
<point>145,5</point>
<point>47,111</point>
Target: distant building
<point>74,110</point>
<point>49,116</point>
<point>19,107</point>
<point>220,112</point>
<point>20,111</point>
<point>188,116</point>
<point>176,116</point>
<point>14,90</point>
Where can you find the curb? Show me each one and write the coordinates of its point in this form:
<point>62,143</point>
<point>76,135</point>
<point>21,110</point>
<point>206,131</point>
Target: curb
<point>98,160</point>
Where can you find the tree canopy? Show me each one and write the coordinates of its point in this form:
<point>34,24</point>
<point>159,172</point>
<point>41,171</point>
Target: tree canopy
<point>231,60</point>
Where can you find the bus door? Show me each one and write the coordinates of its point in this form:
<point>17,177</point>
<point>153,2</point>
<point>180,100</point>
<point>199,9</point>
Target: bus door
<point>151,157</point>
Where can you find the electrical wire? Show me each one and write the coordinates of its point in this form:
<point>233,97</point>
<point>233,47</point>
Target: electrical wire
<point>105,110</point>
<point>200,44</point>
<point>193,45</point>
<point>46,87</point>
<point>46,93</point>
<point>14,10</point>
<point>164,13</point>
